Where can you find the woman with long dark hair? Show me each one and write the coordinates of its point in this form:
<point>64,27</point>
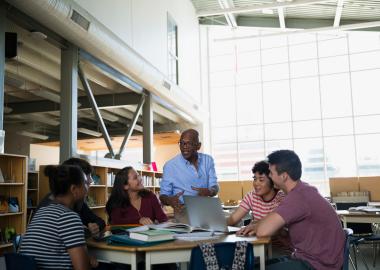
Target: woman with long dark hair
<point>131,203</point>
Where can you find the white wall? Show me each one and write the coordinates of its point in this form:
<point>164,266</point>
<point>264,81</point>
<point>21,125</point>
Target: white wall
<point>142,24</point>
<point>44,155</point>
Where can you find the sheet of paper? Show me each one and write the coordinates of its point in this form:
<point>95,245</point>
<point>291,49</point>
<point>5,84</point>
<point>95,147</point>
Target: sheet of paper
<point>195,238</point>
<point>246,238</point>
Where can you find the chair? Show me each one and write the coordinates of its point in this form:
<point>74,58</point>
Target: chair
<point>17,261</point>
<point>225,255</point>
<point>363,234</point>
<point>346,258</point>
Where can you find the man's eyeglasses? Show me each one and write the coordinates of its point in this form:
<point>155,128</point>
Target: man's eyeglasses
<point>187,144</point>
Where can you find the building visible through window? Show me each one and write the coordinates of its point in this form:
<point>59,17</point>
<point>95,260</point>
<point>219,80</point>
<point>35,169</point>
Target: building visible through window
<point>172,50</point>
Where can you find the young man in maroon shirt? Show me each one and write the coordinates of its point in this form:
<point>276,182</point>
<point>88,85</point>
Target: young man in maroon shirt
<point>314,228</point>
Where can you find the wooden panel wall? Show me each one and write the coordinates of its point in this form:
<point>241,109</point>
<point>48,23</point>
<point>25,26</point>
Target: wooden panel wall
<point>230,190</point>
<point>343,184</point>
<point>371,184</point>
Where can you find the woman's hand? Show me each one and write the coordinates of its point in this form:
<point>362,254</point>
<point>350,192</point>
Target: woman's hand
<point>248,230</point>
<point>93,261</point>
<point>145,221</point>
<point>93,228</point>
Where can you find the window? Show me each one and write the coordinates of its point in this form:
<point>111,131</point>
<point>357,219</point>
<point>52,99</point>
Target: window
<point>172,50</point>
<point>314,93</point>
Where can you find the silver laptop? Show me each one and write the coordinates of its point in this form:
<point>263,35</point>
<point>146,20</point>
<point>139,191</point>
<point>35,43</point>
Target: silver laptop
<point>206,213</point>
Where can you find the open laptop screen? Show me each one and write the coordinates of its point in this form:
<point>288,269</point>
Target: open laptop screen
<point>206,213</point>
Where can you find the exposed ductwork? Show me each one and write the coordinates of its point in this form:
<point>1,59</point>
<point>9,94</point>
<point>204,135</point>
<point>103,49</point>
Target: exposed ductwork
<point>77,26</point>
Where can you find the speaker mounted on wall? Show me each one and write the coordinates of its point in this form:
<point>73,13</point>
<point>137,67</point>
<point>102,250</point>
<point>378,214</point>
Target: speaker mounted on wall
<point>10,45</point>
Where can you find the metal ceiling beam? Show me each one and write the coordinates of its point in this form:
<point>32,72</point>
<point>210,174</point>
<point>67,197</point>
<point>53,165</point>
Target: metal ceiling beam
<point>131,126</point>
<point>103,101</point>
<point>281,18</point>
<point>346,27</point>
<point>116,75</point>
<point>33,75</point>
<point>338,12</point>
<point>131,84</point>
<point>292,23</point>
<point>148,129</point>
<point>253,8</point>
<point>230,18</point>
<point>96,112</point>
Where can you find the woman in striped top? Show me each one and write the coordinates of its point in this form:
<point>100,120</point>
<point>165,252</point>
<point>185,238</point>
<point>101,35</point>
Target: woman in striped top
<point>262,200</point>
<point>55,236</point>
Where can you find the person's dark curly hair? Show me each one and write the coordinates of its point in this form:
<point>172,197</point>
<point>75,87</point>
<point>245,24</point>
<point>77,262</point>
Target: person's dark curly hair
<point>262,167</point>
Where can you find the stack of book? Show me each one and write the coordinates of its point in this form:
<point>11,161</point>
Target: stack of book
<point>152,235</point>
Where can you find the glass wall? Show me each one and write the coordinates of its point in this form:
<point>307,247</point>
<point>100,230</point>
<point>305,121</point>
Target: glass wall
<point>317,94</point>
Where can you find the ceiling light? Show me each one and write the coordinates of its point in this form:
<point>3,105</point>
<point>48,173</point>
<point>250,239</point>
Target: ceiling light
<point>89,132</point>
<point>39,35</point>
<point>33,135</point>
<point>267,11</point>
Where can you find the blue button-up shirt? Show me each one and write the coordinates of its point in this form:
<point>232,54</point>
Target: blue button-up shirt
<point>180,175</point>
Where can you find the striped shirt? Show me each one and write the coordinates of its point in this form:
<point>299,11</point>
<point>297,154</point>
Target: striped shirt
<point>53,230</point>
<point>259,207</point>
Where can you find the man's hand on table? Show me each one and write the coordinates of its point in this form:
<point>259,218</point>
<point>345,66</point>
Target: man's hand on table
<point>248,230</point>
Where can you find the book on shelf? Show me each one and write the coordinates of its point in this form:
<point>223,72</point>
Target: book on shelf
<point>366,209</point>
<point>152,235</point>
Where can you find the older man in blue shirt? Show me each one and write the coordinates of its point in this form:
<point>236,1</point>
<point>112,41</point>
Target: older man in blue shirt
<point>189,173</point>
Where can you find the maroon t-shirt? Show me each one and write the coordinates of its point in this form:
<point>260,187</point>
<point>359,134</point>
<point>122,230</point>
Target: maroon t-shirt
<point>150,208</point>
<point>314,228</point>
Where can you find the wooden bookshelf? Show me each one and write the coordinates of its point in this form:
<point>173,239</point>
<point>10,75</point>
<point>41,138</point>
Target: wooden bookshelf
<point>14,170</point>
<point>32,193</point>
<point>33,187</point>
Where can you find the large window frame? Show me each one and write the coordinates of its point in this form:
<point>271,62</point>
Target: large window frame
<point>172,42</point>
<point>332,141</point>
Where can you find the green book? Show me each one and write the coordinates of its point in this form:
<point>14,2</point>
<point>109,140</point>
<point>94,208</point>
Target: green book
<point>152,235</point>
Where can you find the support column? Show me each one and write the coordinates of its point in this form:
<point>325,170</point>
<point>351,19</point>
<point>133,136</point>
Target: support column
<point>2,72</point>
<point>147,129</point>
<point>69,103</point>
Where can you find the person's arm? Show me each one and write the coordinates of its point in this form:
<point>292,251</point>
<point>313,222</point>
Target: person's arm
<point>173,201</point>
<point>167,196</point>
<point>159,214</point>
<point>79,258</point>
<point>269,225</point>
<point>236,216</point>
<point>94,223</point>
<point>166,186</point>
<point>70,231</point>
